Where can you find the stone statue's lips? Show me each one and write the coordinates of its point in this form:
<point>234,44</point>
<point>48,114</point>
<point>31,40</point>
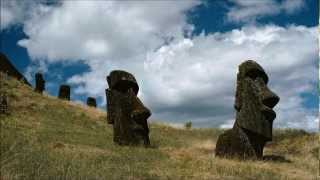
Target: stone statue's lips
<point>268,113</point>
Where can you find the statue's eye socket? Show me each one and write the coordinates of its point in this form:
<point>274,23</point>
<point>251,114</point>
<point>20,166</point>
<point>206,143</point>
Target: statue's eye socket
<point>252,75</point>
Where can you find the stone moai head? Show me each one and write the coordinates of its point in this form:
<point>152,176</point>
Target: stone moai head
<point>254,115</point>
<point>40,83</point>
<point>91,102</point>
<point>125,110</point>
<point>64,92</point>
<point>254,100</point>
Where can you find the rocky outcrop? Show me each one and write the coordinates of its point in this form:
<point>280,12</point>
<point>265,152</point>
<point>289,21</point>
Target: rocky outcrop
<point>9,69</point>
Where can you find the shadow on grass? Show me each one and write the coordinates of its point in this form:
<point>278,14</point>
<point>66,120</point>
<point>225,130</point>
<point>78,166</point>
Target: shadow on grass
<point>276,158</point>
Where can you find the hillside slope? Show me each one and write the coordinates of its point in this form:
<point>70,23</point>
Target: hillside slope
<point>47,138</point>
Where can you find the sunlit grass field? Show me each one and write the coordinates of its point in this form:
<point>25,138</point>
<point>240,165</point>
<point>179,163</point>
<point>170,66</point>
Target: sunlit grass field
<point>47,138</point>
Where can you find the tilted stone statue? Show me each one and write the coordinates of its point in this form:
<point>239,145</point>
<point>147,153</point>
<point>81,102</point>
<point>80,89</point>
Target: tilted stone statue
<point>40,83</point>
<point>91,101</point>
<point>125,110</point>
<point>254,115</point>
<point>64,92</point>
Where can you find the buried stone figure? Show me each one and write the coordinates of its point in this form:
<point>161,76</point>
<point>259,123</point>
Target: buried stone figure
<point>254,115</point>
<point>40,83</point>
<point>125,110</point>
<point>64,92</point>
<point>91,101</point>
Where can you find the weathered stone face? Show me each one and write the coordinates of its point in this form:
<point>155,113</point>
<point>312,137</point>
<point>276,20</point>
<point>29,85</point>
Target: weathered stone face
<point>91,102</point>
<point>125,110</point>
<point>40,83</point>
<point>64,92</point>
<point>254,117</point>
<point>254,100</point>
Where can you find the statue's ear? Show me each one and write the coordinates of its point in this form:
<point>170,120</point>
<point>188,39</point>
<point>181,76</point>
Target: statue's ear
<point>238,99</point>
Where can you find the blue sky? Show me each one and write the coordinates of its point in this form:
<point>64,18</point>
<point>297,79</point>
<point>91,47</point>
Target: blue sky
<point>183,54</point>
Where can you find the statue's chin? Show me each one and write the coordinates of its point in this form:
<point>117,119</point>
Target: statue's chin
<point>268,113</point>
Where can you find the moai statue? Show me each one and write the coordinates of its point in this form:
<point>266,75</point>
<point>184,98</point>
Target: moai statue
<point>254,115</point>
<point>125,110</point>
<point>40,83</point>
<point>91,102</point>
<point>3,104</point>
<point>64,92</point>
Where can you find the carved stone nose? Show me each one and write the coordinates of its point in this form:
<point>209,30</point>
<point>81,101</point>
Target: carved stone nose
<point>269,98</point>
<point>139,112</point>
<point>140,115</point>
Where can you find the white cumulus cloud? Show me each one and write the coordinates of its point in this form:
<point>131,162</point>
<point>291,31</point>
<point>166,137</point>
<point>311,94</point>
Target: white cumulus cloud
<point>199,82</point>
<point>251,10</point>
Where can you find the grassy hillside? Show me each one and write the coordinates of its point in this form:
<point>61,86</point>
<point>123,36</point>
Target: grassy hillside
<point>47,138</point>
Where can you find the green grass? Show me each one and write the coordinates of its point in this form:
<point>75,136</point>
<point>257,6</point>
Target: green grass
<point>47,138</point>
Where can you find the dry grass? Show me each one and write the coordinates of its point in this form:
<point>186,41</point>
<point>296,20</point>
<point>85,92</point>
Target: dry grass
<point>47,138</point>
<point>90,111</point>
